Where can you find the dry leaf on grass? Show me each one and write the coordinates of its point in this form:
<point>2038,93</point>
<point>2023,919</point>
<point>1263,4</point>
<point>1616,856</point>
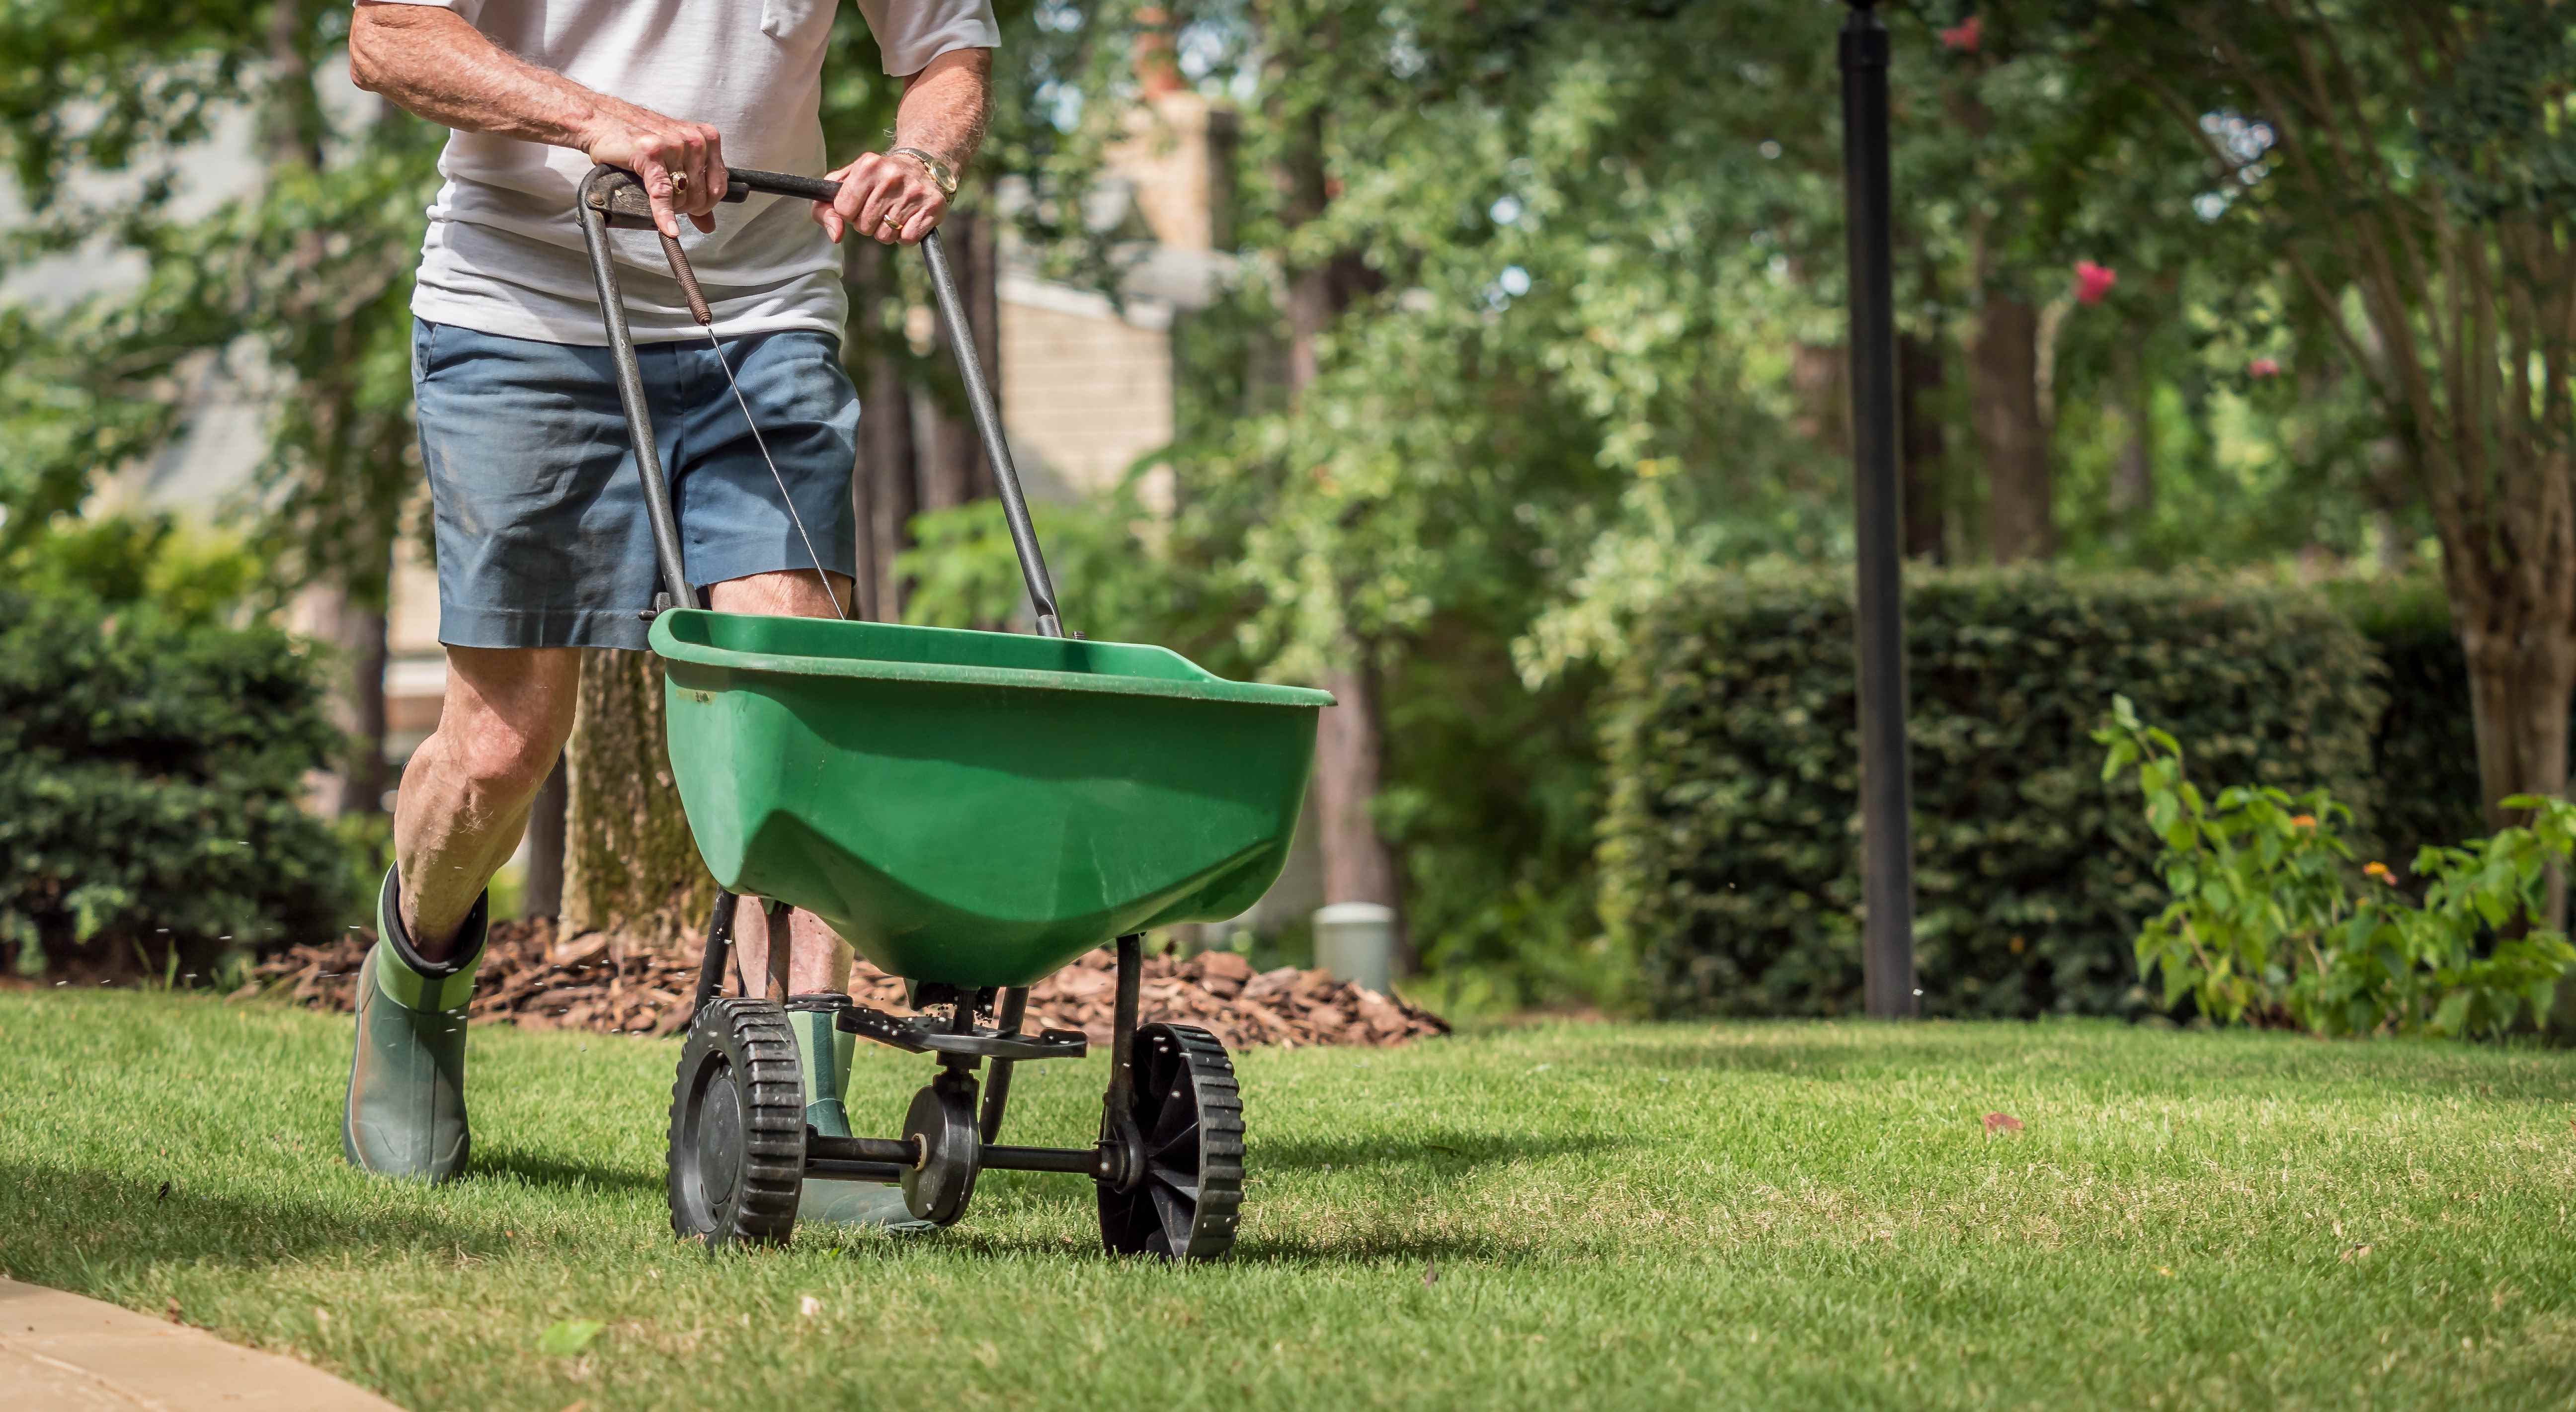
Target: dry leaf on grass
<point>2002,1123</point>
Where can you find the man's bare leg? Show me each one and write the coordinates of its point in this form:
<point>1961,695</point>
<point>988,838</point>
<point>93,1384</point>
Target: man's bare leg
<point>466,793</point>
<point>817,960</point>
<point>464,803</point>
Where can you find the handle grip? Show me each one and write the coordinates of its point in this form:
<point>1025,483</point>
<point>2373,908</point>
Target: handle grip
<point>620,193</point>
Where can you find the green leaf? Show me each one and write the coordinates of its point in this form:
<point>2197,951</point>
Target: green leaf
<point>566,1338</point>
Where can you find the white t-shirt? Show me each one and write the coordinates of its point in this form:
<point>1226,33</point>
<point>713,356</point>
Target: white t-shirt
<point>504,255</point>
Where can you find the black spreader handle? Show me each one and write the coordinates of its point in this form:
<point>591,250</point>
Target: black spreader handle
<point>613,196</point>
<point>988,424</point>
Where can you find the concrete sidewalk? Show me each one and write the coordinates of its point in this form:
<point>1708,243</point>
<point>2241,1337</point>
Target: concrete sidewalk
<point>62,1353</point>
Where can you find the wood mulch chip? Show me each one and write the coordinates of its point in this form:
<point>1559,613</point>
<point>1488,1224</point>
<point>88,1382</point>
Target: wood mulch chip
<point>593,981</point>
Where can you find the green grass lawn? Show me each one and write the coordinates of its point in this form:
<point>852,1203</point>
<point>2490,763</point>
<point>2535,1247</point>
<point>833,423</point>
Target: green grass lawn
<point>1769,1215</point>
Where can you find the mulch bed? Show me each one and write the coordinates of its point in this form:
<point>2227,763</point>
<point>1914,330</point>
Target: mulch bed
<point>594,981</point>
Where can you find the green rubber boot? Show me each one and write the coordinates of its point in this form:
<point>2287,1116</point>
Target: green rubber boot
<point>405,1116</point>
<point>823,1052</point>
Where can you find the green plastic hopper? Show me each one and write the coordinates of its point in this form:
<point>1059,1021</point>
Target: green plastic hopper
<point>973,807</point>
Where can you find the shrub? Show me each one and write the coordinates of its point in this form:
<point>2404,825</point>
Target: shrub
<point>2269,916</point>
<point>1729,853</point>
<point>152,764</point>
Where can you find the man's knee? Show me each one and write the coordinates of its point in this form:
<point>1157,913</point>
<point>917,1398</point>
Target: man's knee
<point>508,713</point>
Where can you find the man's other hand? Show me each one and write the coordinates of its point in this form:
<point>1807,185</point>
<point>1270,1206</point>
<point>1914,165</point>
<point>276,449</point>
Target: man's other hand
<point>681,163</point>
<point>892,199</point>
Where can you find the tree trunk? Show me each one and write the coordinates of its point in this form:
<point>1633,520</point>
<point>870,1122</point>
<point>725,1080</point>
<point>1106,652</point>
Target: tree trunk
<point>1350,751</point>
<point>1348,765</point>
<point>894,480</point>
<point>1924,442</point>
<point>863,514</point>
<point>362,637</point>
<point>888,476</point>
<point>2133,473</point>
<point>2522,674</point>
<point>355,634</point>
<point>2003,386</point>
<point>629,864</point>
<point>544,893</point>
<point>1818,381</point>
<point>958,470</point>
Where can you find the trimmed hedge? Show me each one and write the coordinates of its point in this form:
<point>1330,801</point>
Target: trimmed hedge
<point>2424,748</point>
<point>152,775</point>
<point>1729,849</point>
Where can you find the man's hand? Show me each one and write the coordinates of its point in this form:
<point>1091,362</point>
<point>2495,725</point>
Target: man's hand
<point>891,199</point>
<point>681,163</point>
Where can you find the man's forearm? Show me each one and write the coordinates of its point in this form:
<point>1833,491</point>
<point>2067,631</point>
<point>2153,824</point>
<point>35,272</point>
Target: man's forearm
<point>429,61</point>
<point>943,107</point>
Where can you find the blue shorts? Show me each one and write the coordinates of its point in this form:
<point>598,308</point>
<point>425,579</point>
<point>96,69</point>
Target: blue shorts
<point>542,539</point>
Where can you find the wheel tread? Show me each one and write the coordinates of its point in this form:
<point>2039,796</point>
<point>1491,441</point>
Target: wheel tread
<point>751,1038</point>
<point>1205,1074</point>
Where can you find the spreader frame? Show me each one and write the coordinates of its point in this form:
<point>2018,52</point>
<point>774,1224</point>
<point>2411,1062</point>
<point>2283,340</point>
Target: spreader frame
<point>1172,1191</point>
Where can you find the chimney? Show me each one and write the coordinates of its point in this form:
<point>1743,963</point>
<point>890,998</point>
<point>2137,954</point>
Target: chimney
<point>1158,72</point>
<point>1178,149</point>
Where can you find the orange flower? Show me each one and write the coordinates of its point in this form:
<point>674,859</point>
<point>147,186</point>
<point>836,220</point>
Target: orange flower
<point>2305,821</point>
<point>2379,871</point>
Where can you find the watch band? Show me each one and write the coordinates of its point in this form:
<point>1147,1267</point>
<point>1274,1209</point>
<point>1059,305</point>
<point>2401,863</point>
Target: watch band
<point>940,175</point>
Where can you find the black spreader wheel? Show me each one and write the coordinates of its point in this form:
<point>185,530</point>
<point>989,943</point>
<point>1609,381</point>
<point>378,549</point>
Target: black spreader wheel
<point>1188,1116</point>
<point>737,1126</point>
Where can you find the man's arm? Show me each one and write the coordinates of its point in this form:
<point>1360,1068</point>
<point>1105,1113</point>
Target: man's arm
<point>942,113</point>
<point>431,62</point>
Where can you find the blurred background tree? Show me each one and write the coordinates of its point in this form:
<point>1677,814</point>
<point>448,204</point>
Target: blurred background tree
<point>1533,329</point>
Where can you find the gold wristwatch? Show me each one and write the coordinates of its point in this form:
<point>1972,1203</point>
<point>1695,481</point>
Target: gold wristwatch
<point>940,175</point>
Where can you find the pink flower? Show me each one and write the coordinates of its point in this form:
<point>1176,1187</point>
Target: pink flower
<point>2093,281</point>
<point>2263,368</point>
<point>1962,37</point>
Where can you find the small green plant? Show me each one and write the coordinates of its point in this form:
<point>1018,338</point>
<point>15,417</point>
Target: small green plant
<point>566,1338</point>
<point>2271,919</point>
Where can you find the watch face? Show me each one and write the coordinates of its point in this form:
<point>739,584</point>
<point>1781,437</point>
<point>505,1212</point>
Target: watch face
<point>940,176</point>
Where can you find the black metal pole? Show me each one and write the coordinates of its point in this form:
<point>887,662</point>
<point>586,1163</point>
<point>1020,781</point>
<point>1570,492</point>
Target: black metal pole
<point>1014,1009</point>
<point>1886,792</point>
<point>711,961</point>
<point>593,212</point>
<point>988,424</point>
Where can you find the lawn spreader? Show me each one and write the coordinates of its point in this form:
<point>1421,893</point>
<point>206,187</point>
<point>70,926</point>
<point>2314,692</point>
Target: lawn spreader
<point>971,810</point>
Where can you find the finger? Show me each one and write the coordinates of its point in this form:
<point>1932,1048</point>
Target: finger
<point>830,220</point>
<point>657,192</point>
<point>705,222</point>
<point>719,176</point>
<point>923,222</point>
<point>693,152</point>
<point>857,181</point>
<point>882,188</point>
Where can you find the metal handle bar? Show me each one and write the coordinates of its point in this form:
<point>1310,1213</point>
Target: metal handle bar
<point>613,196</point>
